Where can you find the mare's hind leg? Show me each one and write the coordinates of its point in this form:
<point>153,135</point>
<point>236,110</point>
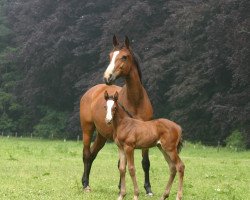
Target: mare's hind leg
<point>146,166</point>
<point>89,155</point>
<point>88,129</point>
<point>172,170</point>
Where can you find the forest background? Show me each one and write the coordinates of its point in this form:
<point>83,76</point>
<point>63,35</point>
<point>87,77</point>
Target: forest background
<point>194,56</point>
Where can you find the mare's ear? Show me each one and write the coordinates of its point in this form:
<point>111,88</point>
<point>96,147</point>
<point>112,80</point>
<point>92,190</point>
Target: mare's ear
<point>127,42</point>
<point>106,95</point>
<point>115,41</point>
<point>116,96</point>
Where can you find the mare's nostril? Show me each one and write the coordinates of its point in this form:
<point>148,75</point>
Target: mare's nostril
<point>110,78</point>
<point>108,121</point>
<point>106,80</point>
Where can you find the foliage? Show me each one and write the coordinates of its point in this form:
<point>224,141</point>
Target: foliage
<point>51,125</point>
<point>10,108</point>
<point>194,58</point>
<point>236,141</point>
<point>6,124</point>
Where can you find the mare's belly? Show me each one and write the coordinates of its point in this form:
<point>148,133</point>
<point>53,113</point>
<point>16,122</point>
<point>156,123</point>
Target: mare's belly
<point>105,130</point>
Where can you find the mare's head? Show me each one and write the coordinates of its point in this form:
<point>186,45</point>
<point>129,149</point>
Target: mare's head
<point>121,60</point>
<point>111,106</point>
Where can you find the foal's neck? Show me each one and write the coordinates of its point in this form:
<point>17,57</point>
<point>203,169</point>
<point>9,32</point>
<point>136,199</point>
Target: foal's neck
<point>118,117</point>
<point>134,87</point>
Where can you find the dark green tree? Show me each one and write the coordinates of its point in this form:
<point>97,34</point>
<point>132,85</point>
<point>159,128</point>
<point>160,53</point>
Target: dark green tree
<point>194,59</point>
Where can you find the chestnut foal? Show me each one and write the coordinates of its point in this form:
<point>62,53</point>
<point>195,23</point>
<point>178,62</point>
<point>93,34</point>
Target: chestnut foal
<point>130,134</point>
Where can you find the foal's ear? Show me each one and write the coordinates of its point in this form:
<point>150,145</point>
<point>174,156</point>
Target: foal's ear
<point>106,95</point>
<point>115,41</point>
<point>116,96</point>
<point>127,42</point>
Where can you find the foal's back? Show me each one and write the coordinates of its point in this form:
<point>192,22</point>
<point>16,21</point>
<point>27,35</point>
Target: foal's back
<point>145,134</point>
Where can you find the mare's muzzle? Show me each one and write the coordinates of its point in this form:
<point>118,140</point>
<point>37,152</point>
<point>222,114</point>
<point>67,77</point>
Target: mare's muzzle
<point>110,79</point>
<point>108,121</point>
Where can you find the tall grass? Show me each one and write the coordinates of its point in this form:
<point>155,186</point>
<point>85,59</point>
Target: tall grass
<point>42,169</point>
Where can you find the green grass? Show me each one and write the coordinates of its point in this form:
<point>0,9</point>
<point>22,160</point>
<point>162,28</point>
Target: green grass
<point>42,169</point>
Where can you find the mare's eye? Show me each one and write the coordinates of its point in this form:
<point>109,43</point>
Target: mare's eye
<point>105,107</point>
<point>124,58</point>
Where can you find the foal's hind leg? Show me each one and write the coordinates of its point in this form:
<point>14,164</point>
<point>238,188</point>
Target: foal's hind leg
<point>172,169</point>
<point>180,167</point>
<point>146,166</point>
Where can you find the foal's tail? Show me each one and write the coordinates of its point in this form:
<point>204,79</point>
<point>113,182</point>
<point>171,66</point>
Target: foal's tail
<point>180,144</point>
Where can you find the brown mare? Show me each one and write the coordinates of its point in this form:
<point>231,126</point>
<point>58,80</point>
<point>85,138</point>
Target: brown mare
<point>133,97</point>
<point>130,134</point>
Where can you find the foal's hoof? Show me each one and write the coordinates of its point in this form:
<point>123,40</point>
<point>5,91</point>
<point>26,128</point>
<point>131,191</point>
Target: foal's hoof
<point>87,189</point>
<point>164,197</point>
<point>120,197</point>
<point>136,198</point>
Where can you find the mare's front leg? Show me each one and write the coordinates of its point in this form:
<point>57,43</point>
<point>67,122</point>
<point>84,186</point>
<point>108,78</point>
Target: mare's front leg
<point>146,166</point>
<point>122,169</point>
<point>89,155</point>
<point>131,167</point>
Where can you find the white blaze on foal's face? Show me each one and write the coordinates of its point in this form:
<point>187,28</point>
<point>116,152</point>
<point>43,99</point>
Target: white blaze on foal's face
<point>109,116</point>
<point>111,66</point>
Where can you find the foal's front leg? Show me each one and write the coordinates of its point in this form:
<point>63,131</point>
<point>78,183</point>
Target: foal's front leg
<point>131,167</point>
<point>122,169</point>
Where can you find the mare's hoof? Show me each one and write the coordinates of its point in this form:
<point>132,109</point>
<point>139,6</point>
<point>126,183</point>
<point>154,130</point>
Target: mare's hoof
<point>87,189</point>
<point>150,194</point>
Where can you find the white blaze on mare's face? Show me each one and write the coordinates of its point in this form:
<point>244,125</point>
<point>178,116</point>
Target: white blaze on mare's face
<point>109,116</point>
<point>111,66</point>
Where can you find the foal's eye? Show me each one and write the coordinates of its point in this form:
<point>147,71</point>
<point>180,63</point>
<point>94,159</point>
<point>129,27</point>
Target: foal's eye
<point>105,107</point>
<point>124,58</point>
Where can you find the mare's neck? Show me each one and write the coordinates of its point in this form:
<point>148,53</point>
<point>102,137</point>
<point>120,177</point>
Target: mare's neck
<point>134,87</point>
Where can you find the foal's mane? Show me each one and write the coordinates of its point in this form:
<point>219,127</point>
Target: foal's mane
<point>135,59</point>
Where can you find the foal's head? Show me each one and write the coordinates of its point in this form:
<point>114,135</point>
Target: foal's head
<point>111,106</point>
<point>121,59</point>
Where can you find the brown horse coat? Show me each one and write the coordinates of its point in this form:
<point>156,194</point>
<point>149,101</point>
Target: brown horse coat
<point>132,96</point>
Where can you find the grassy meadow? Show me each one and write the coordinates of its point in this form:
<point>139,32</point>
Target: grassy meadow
<point>43,169</point>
